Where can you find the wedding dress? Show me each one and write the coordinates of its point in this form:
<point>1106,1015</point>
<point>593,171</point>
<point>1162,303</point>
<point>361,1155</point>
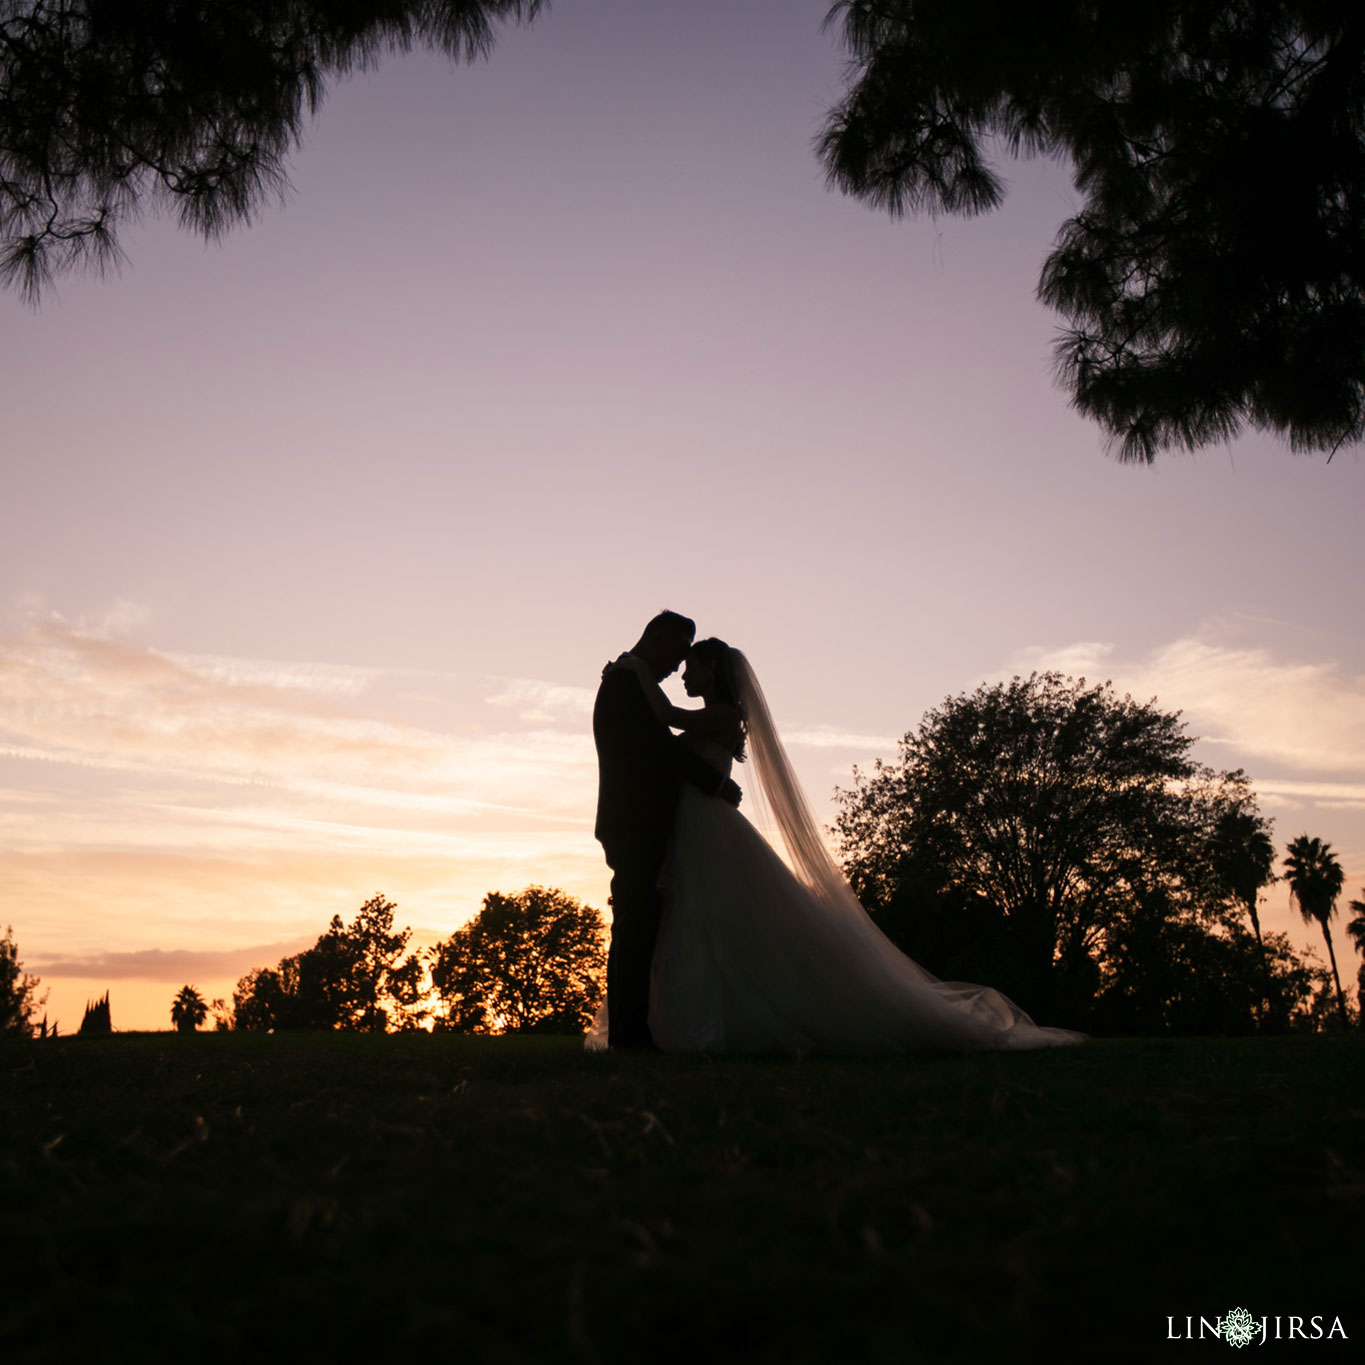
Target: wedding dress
<point>757,954</point>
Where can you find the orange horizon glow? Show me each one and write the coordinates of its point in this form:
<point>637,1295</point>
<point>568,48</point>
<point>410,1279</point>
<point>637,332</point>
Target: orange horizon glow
<point>187,819</point>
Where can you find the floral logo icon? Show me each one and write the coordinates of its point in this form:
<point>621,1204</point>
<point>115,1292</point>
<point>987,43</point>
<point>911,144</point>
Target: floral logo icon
<point>1239,1327</point>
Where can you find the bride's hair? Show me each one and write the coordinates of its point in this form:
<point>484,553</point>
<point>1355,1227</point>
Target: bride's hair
<point>722,657</point>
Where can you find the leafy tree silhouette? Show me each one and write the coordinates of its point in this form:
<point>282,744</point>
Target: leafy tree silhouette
<point>534,962</point>
<point>188,1010</point>
<point>19,1000</point>
<point>354,977</point>
<point>1214,276</point>
<point>108,107</point>
<point>1166,971</point>
<point>1058,841</point>
<point>1315,880</point>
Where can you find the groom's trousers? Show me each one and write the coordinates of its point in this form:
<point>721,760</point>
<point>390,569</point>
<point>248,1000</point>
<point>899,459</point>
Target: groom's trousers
<point>636,906</point>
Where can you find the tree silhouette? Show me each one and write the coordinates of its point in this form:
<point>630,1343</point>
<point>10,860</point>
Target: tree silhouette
<point>354,977</point>
<point>534,962</point>
<point>188,1010</point>
<point>107,107</point>
<point>1243,858</point>
<point>1055,839</point>
<point>1322,1013</point>
<point>97,1018</point>
<point>1214,276</point>
<point>269,998</point>
<point>1315,880</point>
<point>19,1000</point>
<point>1167,973</point>
<point>1356,929</point>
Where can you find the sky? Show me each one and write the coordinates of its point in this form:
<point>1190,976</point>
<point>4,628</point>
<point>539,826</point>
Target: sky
<point>316,538</point>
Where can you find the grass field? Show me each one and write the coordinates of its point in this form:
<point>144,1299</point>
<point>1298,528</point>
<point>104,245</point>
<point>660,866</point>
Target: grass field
<point>327,1196</point>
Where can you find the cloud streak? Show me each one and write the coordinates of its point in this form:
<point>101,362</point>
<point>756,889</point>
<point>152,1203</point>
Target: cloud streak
<point>75,698</point>
<point>157,964</point>
<point>1307,718</point>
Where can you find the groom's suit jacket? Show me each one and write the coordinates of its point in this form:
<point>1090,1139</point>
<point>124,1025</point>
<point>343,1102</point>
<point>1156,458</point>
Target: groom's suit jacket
<point>640,771</point>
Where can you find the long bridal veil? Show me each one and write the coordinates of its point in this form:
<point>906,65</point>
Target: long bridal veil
<point>779,795</point>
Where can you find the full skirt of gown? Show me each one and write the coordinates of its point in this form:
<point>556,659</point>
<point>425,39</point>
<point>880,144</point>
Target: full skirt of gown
<point>751,960</point>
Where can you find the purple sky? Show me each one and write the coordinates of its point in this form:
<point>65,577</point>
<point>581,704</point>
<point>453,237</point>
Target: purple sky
<point>316,539</point>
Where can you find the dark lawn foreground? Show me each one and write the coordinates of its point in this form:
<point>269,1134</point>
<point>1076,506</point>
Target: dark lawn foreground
<point>328,1196</point>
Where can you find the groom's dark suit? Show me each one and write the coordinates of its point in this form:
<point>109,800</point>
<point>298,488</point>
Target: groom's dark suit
<point>641,768</point>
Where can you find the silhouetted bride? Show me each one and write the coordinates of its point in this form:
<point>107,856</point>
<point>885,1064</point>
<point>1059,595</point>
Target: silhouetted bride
<point>754,955</point>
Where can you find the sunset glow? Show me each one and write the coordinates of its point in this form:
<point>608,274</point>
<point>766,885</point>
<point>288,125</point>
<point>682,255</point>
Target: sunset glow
<point>316,541</point>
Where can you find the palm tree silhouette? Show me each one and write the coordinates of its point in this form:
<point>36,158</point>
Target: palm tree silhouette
<point>1315,880</point>
<point>188,1010</point>
<point>1356,929</point>
<point>1244,860</point>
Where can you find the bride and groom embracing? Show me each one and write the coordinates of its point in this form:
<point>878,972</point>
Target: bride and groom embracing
<point>717,943</point>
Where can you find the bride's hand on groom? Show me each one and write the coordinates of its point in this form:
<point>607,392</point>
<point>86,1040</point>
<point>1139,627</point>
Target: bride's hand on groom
<point>629,663</point>
<point>730,791</point>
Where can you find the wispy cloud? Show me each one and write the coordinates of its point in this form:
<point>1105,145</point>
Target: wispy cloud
<point>1297,726</point>
<point>1291,716</point>
<point>833,737</point>
<point>543,702</point>
<point>71,697</point>
<point>147,797</point>
<point>1083,659</point>
<point>1332,795</point>
<point>339,680</point>
<point>157,964</point>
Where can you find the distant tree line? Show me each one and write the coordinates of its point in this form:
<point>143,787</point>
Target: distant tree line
<point>1046,837</point>
<point>1059,842</point>
<point>534,962</point>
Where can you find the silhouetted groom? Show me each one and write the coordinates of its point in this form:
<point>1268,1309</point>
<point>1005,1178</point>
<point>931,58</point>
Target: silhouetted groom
<point>641,767</point>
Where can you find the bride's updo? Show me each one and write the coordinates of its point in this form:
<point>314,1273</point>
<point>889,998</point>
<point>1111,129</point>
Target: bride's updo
<point>721,657</point>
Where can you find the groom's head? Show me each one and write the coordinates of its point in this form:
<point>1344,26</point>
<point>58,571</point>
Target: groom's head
<point>665,642</point>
